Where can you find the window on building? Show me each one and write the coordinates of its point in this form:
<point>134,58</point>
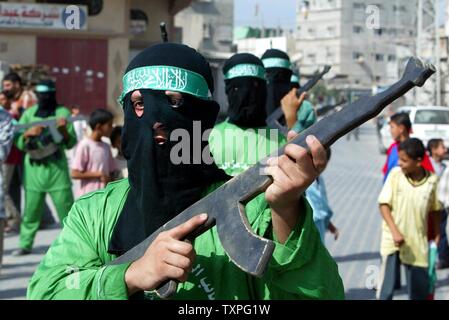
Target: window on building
<point>311,32</point>
<point>94,7</point>
<point>399,8</point>
<point>358,5</point>
<point>206,31</point>
<point>379,57</point>
<point>391,58</point>
<point>378,78</point>
<point>312,58</point>
<point>357,55</point>
<point>357,29</point>
<point>331,31</point>
<point>378,32</point>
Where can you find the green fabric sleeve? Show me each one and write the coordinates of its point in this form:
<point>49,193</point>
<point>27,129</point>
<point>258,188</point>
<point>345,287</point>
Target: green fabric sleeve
<point>73,269</point>
<point>301,268</point>
<point>305,117</point>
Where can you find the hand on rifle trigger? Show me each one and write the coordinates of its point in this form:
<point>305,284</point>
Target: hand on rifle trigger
<point>290,105</point>
<point>168,257</point>
<point>293,173</point>
<point>33,131</point>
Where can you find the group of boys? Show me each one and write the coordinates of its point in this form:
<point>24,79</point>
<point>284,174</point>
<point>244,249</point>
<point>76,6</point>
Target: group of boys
<point>412,203</point>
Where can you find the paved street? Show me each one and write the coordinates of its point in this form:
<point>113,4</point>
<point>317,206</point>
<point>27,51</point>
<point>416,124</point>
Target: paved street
<point>353,180</point>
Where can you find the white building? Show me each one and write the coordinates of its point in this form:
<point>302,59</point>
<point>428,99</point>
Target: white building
<point>207,26</point>
<point>366,44</point>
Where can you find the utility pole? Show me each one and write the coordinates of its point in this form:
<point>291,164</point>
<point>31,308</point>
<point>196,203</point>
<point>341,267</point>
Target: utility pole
<point>428,41</point>
<point>437,53</point>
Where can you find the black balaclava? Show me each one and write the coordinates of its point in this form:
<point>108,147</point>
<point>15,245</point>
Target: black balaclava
<point>46,94</point>
<point>246,89</point>
<point>277,65</point>
<point>160,189</point>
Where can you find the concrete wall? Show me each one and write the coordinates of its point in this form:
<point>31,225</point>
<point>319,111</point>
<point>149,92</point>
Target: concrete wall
<point>112,19</point>
<point>329,29</point>
<point>17,49</point>
<point>117,62</point>
<point>207,25</point>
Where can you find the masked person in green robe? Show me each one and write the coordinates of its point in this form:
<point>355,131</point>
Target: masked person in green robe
<point>243,138</point>
<point>45,164</point>
<point>166,90</point>
<point>280,86</point>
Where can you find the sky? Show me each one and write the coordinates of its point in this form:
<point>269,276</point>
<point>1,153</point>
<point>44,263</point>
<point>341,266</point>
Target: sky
<point>272,13</point>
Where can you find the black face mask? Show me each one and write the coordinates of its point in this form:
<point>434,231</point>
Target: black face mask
<point>247,97</point>
<point>160,189</point>
<point>278,86</point>
<point>46,104</point>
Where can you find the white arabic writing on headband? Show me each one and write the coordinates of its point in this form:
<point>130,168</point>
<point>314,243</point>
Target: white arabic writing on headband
<point>163,77</point>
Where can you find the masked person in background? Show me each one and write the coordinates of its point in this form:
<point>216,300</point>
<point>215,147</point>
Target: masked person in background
<point>107,223</point>
<point>45,166</point>
<point>280,86</point>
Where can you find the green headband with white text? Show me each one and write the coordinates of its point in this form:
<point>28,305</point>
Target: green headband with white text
<point>166,78</point>
<point>42,88</point>
<point>245,70</point>
<point>294,79</point>
<point>276,63</point>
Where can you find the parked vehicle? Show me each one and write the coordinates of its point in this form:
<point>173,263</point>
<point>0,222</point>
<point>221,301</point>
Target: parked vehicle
<point>428,122</point>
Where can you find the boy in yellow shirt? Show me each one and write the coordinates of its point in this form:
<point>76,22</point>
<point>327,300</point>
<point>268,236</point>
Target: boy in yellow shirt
<point>408,196</point>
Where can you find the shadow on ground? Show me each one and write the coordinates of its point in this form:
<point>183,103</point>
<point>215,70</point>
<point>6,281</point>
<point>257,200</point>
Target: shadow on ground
<point>358,257</point>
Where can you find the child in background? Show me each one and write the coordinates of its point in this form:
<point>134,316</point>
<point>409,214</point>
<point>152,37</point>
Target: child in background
<point>400,129</point>
<point>408,196</point>
<point>437,151</point>
<point>120,161</point>
<point>93,162</point>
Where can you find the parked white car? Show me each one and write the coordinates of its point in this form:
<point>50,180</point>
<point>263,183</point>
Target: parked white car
<point>428,122</point>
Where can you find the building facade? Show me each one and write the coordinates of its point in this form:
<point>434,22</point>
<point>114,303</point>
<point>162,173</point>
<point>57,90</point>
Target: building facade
<point>366,43</point>
<point>86,61</point>
<point>207,26</point>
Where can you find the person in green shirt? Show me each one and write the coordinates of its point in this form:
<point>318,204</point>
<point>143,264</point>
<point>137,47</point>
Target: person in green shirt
<point>45,164</point>
<point>166,93</point>
<point>279,87</point>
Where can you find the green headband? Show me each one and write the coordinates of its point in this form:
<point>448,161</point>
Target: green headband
<point>44,88</point>
<point>294,79</point>
<point>245,70</point>
<point>276,63</point>
<point>165,78</point>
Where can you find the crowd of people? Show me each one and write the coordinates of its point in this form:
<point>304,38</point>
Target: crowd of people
<point>37,156</point>
<point>109,218</point>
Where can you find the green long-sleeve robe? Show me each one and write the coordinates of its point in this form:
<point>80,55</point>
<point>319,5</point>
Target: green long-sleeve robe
<point>75,265</point>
